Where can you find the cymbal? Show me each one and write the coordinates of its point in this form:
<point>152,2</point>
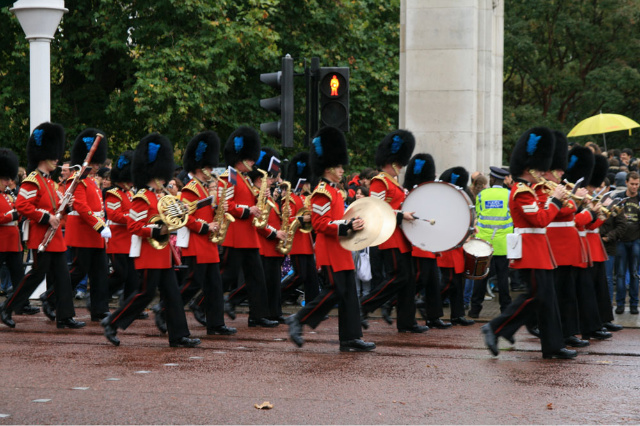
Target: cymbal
<point>379,223</point>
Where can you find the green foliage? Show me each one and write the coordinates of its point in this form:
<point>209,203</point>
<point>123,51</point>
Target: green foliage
<point>181,66</point>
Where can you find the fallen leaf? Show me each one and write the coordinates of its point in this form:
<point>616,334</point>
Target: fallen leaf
<point>264,406</point>
<point>550,406</point>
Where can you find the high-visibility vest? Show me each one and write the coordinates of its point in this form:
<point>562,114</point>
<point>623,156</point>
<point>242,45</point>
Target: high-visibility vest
<point>494,219</point>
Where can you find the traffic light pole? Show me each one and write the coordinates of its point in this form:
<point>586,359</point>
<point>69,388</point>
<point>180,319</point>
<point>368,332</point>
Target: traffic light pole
<point>311,77</point>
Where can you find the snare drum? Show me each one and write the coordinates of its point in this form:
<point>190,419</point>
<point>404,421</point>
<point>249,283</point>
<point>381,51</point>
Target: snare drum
<point>450,210</point>
<point>477,258</point>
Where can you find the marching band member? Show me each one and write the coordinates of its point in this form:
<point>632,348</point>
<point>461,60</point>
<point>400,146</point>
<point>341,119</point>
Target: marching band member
<point>152,168</point>
<point>393,153</point>
<point>529,249</point>
<point>328,154</point>
<point>198,252</point>
<point>38,202</point>
<point>421,168</point>
<point>241,151</point>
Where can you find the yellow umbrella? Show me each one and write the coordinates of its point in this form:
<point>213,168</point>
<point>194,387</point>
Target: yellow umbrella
<point>603,123</point>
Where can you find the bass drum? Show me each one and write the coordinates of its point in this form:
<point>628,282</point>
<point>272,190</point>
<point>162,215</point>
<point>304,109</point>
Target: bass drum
<point>445,216</point>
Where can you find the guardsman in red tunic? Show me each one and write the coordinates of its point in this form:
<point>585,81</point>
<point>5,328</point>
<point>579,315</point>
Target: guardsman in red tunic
<point>328,154</point>
<point>118,203</point>
<point>152,168</point>
<point>598,253</point>
<point>242,247</point>
<point>301,255</point>
<point>198,252</point>
<point>451,262</point>
<point>393,153</point>
<point>421,168</point>
<point>529,249</point>
<point>38,202</point>
<point>86,228</point>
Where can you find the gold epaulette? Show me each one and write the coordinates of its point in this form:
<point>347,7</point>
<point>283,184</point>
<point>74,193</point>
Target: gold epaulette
<point>115,193</point>
<point>142,194</point>
<point>322,189</point>
<point>521,187</point>
<point>381,177</point>
<point>192,186</point>
<point>225,174</point>
<point>33,179</point>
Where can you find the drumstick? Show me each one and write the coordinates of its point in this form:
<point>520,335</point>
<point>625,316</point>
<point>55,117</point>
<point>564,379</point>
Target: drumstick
<point>431,221</point>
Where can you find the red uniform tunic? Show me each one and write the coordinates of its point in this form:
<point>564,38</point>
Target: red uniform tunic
<point>418,252</point>
<point>453,258</point>
<point>85,222</point>
<point>38,201</point>
<point>143,207</point>
<point>327,210</point>
<point>241,233</point>
<point>531,214</point>
<point>197,224</point>
<point>9,233</point>
<point>268,241</point>
<point>583,219</point>
<point>597,250</point>
<point>386,188</point>
<point>302,242</point>
<point>564,239</point>
<point>118,204</point>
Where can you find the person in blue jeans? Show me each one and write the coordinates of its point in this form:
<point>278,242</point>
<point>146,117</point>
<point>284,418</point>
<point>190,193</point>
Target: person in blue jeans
<point>628,247</point>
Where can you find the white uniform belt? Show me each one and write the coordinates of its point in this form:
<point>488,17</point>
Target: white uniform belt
<point>96,214</point>
<point>569,224</point>
<point>530,230</point>
<point>582,233</point>
<point>12,223</point>
<point>110,222</point>
<point>593,231</point>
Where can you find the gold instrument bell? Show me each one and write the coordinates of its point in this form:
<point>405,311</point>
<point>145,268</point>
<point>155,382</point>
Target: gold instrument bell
<point>379,223</point>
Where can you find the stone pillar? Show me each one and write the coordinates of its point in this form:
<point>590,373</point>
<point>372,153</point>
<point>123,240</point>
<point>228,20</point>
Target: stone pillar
<point>451,60</point>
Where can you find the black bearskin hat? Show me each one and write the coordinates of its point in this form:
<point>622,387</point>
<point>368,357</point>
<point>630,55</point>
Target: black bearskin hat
<point>396,147</point>
<point>580,165</point>
<point>242,144</point>
<point>266,154</point>
<point>202,151</point>
<point>457,176</point>
<point>421,168</point>
<point>45,143</point>
<point>82,145</point>
<point>534,150</point>
<point>152,159</point>
<point>560,153</point>
<point>299,168</point>
<point>328,149</point>
<point>600,169</point>
<point>8,163</point>
<point>121,170</point>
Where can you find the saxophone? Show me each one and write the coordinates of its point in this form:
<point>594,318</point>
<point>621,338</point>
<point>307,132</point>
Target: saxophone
<point>223,218</point>
<point>290,228</point>
<point>263,203</point>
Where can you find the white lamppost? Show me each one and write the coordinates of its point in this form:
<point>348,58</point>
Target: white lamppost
<point>39,20</point>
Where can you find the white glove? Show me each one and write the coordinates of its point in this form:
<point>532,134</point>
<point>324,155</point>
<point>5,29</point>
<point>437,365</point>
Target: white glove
<point>105,233</point>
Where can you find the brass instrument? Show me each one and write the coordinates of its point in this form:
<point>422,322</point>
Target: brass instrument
<point>551,186</point>
<point>263,203</point>
<point>290,228</point>
<point>222,217</point>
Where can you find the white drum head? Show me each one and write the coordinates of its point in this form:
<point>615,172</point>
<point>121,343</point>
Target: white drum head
<point>478,248</point>
<point>451,209</point>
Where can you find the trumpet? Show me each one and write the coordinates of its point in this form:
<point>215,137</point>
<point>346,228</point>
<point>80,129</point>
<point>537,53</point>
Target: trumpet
<point>551,186</point>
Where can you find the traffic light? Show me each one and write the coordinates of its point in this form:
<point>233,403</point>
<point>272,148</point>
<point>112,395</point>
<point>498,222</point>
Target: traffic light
<point>282,104</point>
<point>334,97</point>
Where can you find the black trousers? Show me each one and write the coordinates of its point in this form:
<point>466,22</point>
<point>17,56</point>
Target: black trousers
<point>539,302</point>
<point>400,282</point>
<point>428,280</point>
<point>205,277</point>
<point>52,265</point>
<point>499,265</point>
<point>565,282</point>
<point>588,312</point>
<point>453,287</point>
<point>150,280</point>
<point>254,287</point>
<point>13,260</point>
<point>340,289</point>
<point>305,273</point>
<point>92,262</point>
<point>378,270</point>
<point>599,274</point>
<point>272,267</point>
<point>124,275</point>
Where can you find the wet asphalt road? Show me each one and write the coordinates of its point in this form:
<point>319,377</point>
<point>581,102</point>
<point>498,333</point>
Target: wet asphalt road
<point>443,376</point>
